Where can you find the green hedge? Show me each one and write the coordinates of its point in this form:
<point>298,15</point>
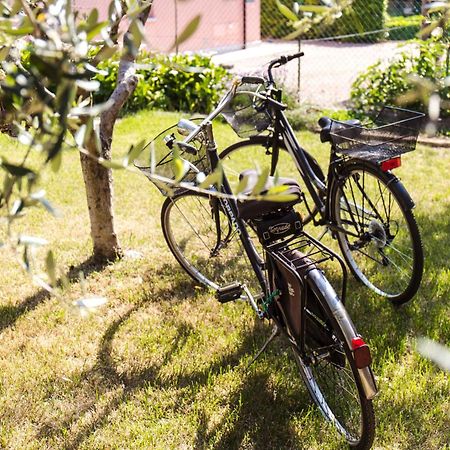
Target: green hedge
<point>363,16</point>
<point>273,24</point>
<point>190,83</point>
<point>360,17</point>
<point>410,27</point>
<point>383,83</point>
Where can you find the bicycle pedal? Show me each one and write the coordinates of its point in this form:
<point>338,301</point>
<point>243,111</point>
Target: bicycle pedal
<point>229,292</point>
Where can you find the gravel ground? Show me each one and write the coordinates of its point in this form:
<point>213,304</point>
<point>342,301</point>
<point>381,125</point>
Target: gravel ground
<point>327,70</point>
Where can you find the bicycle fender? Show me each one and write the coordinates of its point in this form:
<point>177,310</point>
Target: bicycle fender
<point>404,198</point>
<point>325,291</point>
<point>389,178</point>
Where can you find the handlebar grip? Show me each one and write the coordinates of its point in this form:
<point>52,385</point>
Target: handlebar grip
<point>252,80</point>
<point>296,55</point>
<point>324,122</point>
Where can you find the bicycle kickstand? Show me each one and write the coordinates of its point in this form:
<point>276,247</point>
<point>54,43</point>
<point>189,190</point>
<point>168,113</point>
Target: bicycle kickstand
<point>275,333</point>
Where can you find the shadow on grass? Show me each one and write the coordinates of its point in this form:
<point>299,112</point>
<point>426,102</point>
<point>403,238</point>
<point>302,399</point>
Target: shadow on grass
<point>10,314</point>
<point>259,415</point>
<point>258,410</point>
<point>389,325</point>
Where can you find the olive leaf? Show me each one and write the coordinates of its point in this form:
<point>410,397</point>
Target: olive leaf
<point>50,265</point>
<point>213,179</point>
<point>288,13</point>
<point>435,352</point>
<point>134,152</point>
<point>188,31</point>
<point>261,181</point>
<point>243,182</point>
<point>316,9</point>
<point>282,198</point>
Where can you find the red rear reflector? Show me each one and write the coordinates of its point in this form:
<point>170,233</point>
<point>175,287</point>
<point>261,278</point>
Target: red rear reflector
<point>357,342</point>
<point>361,353</point>
<point>391,164</point>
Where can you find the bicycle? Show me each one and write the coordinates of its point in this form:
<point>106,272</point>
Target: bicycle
<point>360,201</point>
<point>200,228</point>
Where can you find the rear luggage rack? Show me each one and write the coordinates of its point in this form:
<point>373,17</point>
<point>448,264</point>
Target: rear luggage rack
<point>313,254</point>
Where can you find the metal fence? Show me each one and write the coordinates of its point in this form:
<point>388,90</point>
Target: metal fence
<point>246,34</point>
<point>339,47</point>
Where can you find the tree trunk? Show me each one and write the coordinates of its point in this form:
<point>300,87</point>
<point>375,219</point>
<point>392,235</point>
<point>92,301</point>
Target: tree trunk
<point>98,182</point>
<point>98,179</point>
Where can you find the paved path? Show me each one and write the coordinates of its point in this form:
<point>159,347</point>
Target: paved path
<point>328,69</point>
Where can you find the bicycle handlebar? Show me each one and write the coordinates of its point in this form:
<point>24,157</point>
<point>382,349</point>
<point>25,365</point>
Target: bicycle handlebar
<point>252,80</point>
<point>281,61</point>
<point>192,132</point>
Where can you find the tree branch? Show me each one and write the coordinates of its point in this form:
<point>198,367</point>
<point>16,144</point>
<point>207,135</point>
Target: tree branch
<point>126,84</point>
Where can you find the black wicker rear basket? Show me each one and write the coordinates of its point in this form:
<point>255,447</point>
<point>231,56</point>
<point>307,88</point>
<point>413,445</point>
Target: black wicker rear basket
<point>394,132</point>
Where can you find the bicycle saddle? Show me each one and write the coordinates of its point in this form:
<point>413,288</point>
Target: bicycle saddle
<point>326,123</point>
<point>252,209</point>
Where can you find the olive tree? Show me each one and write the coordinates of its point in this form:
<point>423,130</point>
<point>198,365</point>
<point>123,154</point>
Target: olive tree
<point>97,177</point>
<point>49,56</point>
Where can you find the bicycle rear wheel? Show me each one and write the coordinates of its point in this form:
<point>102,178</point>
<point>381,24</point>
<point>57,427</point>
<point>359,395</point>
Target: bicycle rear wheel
<point>381,242</point>
<point>189,222</point>
<point>329,371</point>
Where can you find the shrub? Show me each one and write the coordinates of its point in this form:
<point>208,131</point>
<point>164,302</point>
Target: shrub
<point>360,17</point>
<point>383,83</point>
<point>190,83</point>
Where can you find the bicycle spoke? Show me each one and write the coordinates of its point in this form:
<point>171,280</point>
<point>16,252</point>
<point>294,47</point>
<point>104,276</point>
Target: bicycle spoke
<point>192,228</point>
<point>385,238</point>
<point>406,258</point>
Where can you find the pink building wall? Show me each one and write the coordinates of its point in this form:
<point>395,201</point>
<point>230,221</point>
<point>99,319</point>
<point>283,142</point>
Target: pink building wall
<point>221,26</point>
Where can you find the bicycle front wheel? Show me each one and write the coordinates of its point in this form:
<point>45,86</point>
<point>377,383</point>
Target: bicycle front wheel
<point>380,239</point>
<point>204,242</point>
<point>329,370</point>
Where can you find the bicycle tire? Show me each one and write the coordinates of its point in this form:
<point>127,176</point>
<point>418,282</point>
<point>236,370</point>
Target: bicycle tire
<point>329,370</point>
<point>387,254</point>
<point>257,151</point>
<point>189,229</point>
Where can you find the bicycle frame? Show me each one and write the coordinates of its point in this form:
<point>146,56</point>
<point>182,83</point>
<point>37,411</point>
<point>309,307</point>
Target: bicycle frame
<point>283,129</point>
<point>230,206</point>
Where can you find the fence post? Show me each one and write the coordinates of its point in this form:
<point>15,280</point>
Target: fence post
<point>176,26</point>
<point>299,70</point>
<point>244,20</point>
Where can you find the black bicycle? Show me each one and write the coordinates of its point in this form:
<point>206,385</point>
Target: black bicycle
<point>257,250</point>
<point>360,201</point>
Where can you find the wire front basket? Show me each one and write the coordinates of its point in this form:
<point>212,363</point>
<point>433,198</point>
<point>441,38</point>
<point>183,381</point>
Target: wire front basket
<point>394,132</point>
<point>157,158</point>
<point>247,114</point>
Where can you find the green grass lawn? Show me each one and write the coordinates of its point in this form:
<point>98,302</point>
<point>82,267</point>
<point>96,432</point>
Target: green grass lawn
<point>163,365</point>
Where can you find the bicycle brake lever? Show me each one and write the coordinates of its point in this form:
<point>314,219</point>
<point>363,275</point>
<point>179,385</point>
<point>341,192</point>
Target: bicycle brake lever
<point>188,148</point>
